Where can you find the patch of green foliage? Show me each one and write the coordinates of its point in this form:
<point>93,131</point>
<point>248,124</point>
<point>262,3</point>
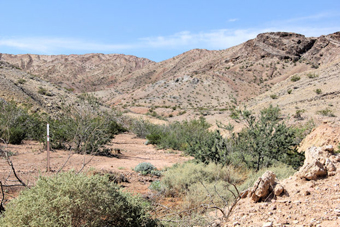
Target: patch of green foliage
<point>295,78</point>
<point>17,124</point>
<point>71,199</point>
<point>175,135</point>
<point>147,168</point>
<point>326,112</point>
<point>266,139</point>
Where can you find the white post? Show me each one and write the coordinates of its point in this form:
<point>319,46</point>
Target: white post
<point>48,148</point>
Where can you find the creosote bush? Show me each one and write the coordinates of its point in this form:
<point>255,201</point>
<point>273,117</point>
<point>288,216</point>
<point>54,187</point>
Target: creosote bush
<point>71,199</point>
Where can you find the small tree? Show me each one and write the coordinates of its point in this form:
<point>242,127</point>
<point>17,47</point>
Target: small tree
<point>266,139</point>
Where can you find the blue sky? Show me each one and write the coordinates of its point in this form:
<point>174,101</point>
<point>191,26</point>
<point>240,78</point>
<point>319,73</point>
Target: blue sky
<point>157,30</point>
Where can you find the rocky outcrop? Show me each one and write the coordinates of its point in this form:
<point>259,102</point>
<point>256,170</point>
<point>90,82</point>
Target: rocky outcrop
<point>319,163</point>
<point>265,186</point>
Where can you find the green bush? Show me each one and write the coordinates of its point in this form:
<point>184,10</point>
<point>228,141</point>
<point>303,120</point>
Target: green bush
<point>172,136</point>
<point>295,78</point>
<point>71,199</point>
<point>145,168</point>
<point>211,147</point>
<point>17,124</point>
<point>176,180</point>
<point>265,139</point>
<point>318,91</point>
<point>273,96</point>
<point>312,75</point>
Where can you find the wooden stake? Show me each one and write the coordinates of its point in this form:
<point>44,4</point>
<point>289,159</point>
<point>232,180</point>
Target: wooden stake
<point>48,148</point>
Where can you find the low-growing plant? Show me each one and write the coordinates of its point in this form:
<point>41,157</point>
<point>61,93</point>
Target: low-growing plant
<point>21,81</point>
<point>145,168</point>
<point>295,78</point>
<point>326,112</point>
<point>289,91</point>
<point>70,199</point>
<point>318,91</point>
<point>312,75</point>
<point>273,96</point>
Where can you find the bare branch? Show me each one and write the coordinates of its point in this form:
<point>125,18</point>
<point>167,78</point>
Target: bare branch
<point>68,158</point>
<point>85,163</point>
<point>15,174</point>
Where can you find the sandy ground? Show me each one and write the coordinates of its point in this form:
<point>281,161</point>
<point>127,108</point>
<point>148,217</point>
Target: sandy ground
<point>30,162</point>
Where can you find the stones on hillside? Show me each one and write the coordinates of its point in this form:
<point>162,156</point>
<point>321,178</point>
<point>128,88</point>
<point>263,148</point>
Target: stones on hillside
<point>319,162</point>
<point>264,186</point>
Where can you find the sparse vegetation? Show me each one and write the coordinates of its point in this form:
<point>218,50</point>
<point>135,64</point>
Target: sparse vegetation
<point>318,91</point>
<point>312,75</point>
<point>326,112</point>
<point>295,78</point>
<point>274,96</point>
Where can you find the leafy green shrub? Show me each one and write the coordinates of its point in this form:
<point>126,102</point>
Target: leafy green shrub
<point>16,124</point>
<point>318,91</point>
<point>145,168</point>
<point>175,135</point>
<point>295,78</point>
<point>312,75</point>
<point>266,140</point>
<point>273,96</point>
<point>71,199</point>
<point>211,147</point>
<point>298,114</point>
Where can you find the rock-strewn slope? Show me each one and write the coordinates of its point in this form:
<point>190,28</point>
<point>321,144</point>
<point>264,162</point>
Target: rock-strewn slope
<point>89,72</point>
<point>28,89</point>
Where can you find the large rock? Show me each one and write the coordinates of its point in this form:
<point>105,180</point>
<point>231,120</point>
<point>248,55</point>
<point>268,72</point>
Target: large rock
<point>264,186</point>
<point>318,163</point>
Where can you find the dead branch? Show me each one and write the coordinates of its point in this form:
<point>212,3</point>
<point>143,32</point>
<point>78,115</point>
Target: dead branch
<point>15,174</point>
<point>62,167</point>
<point>85,163</point>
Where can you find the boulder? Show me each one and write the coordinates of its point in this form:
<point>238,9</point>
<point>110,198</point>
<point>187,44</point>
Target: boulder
<point>263,187</point>
<point>318,163</point>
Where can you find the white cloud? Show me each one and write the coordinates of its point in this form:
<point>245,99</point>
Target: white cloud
<point>184,40</point>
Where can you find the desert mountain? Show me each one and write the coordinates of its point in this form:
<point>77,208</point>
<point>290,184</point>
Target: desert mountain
<point>257,72</point>
<point>31,90</point>
<point>89,72</point>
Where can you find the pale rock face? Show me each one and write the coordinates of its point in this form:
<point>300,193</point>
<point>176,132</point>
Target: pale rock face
<point>318,163</point>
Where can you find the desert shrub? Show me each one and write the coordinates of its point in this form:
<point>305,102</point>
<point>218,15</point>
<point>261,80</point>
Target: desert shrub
<point>281,171</point>
<point>326,112</point>
<point>175,135</point>
<point>295,78</point>
<point>21,81</point>
<point>265,139</point>
<point>145,168</point>
<point>298,114</point>
<point>43,91</point>
<point>71,199</point>
<point>273,96</point>
<point>318,91</point>
<point>17,124</point>
<point>312,75</point>
<point>176,180</point>
<point>84,128</point>
<point>289,91</point>
<point>211,147</point>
